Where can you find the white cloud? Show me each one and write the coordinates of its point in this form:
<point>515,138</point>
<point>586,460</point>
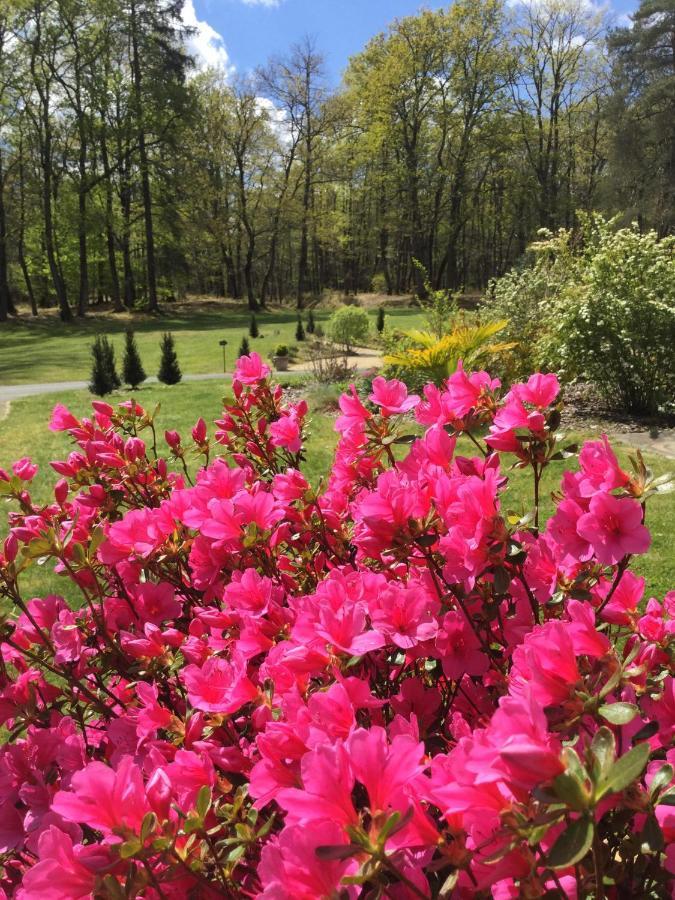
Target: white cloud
<point>277,119</point>
<point>206,44</point>
<point>589,6</point>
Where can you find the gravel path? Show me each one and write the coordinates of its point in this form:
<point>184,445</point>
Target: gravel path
<point>10,392</point>
<point>655,441</point>
<point>362,360</point>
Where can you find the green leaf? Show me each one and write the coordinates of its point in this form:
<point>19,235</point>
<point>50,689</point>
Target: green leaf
<point>624,771</point>
<point>393,825</point>
<point>113,889</point>
<point>449,884</point>
<point>192,823</point>
<point>235,855</point>
<point>130,848</point>
<point>652,835</point>
<point>572,845</point>
<point>336,851</point>
<point>502,580</point>
<point>619,713</point>
<point>148,825</point>
<point>603,751</point>
<point>661,780</point>
<point>571,791</point>
<point>611,683</point>
<point>203,803</point>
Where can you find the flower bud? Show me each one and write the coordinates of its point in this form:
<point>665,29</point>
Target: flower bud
<point>61,491</point>
<point>173,439</point>
<point>199,431</point>
<point>11,547</point>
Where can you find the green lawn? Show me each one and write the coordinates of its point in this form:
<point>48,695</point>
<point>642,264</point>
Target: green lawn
<point>45,349</point>
<point>24,432</point>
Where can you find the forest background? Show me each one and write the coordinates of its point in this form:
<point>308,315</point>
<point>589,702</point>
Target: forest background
<point>129,176</point>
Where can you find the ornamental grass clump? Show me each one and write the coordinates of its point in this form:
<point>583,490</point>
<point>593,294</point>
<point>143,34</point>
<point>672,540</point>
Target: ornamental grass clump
<point>390,686</point>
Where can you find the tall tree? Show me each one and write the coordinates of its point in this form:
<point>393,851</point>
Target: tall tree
<point>37,33</point>
<point>642,113</point>
<point>298,82</point>
<point>7,110</point>
<point>158,67</point>
<point>555,77</point>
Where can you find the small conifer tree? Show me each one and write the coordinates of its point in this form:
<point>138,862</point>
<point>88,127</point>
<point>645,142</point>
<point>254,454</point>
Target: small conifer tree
<point>132,369</point>
<point>310,323</point>
<point>244,349</point>
<point>253,327</point>
<point>169,370</point>
<point>380,320</point>
<point>299,330</point>
<point>104,377</point>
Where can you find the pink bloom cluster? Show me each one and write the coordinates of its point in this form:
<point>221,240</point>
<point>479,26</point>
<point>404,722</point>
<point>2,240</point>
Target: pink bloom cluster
<point>391,686</point>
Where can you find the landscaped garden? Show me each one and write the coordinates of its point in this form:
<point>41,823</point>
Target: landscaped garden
<point>358,652</point>
<point>337,450</point>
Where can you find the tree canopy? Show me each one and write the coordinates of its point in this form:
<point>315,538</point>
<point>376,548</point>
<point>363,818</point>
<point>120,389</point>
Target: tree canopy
<point>126,175</point>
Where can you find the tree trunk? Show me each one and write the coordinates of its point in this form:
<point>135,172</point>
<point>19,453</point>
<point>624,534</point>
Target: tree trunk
<point>6,305</point>
<point>248,280</point>
<point>146,193</point>
<point>59,286</point>
<point>83,298</point>
<point>110,229</point>
<point>21,245</point>
<point>125,203</point>
<point>304,232</point>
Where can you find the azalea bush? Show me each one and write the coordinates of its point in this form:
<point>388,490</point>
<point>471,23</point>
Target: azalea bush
<point>391,686</point>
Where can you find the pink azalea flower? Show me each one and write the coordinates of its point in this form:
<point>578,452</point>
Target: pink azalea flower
<point>64,871</point>
<point>600,468</point>
<point>392,396</point>
<point>354,414</point>
<point>286,433</point>
<point>155,603</point>
<point>251,593</point>
<point>458,647</point>
<point>405,616</point>
<point>62,419</point>
<point>260,508</point>
<point>217,686</point>
<point>251,369</point>
<point>613,528</point>
<point>187,773</point>
<point>562,527</point>
<point>539,390</point>
<point>464,391</point>
<point>104,798</point>
<point>625,599</point>
<point>291,870</point>
<point>384,768</point>
<point>346,629</point>
<point>67,638</point>
<point>545,664</point>
<point>25,469</point>
<point>327,782</point>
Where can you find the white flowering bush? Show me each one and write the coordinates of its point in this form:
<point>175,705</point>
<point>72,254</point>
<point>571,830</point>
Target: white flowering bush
<point>599,304</point>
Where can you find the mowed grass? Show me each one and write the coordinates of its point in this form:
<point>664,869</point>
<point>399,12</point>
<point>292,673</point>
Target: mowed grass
<point>24,432</point>
<point>45,349</point>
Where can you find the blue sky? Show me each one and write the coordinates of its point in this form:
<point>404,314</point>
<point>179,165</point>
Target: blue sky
<point>240,34</point>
